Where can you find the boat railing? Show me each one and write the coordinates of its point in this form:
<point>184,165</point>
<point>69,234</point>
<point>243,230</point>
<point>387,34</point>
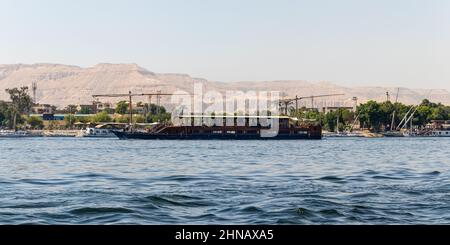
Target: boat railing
<point>158,128</point>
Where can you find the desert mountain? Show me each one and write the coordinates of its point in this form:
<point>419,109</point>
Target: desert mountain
<point>62,85</point>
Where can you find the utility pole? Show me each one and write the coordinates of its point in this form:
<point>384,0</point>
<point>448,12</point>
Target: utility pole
<point>158,101</point>
<point>355,105</point>
<point>131,107</point>
<point>149,106</point>
<point>34,87</point>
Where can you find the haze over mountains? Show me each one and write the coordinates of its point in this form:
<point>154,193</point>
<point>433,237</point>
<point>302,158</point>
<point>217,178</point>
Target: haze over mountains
<point>62,85</point>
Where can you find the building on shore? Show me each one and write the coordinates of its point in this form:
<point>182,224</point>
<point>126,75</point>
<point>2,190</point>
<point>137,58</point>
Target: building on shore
<point>103,106</point>
<point>328,109</point>
<point>43,109</point>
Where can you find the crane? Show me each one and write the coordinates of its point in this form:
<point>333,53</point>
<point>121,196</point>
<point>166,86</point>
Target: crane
<point>286,102</point>
<point>130,96</point>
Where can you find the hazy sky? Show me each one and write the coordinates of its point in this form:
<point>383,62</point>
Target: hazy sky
<point>351,42</point>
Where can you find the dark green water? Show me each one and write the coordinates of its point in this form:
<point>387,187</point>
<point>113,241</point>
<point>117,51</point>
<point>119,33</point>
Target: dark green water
<point>333,181</point>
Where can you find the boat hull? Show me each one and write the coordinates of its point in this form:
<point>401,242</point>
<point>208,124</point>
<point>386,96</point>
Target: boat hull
<point>393,134</point>
<point>155,136</point>
<point>440,133</point>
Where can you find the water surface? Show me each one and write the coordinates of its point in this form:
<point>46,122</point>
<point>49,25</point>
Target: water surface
<point>333,181</point>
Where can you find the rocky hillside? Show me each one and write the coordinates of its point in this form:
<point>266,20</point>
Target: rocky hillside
<point>62,85</point>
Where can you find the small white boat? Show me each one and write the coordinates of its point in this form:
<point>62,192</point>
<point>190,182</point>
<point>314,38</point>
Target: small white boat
<point>13,134</point>
<point>97,133</point>
<point>342,134</point>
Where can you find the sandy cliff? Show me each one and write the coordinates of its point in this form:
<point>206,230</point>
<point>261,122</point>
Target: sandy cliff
<point>63,84</point>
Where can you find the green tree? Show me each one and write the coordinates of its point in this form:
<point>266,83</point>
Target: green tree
<point>35,122</point>
<point>163,117</point>
<point>347,116</point>
<point>154,109</point>
<point>330,121</point>
<point>139,119</point>
<point>83,119</point>
<point>71,109</point>
<point>429,111</point>
<point>2,117</point>
<point>371,115</point>
<point>122,119</point>
<point>385,114</point>
<point>109,110</point>
<point>85,110</point>
<point>70,120</point>
<point>122,107</point>
<point>3,112</point>
<point>422,115</point>
<point>21,103</point>
<point>101,117</point>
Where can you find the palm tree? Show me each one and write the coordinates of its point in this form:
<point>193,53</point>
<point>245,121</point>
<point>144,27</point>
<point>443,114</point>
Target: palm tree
<point>21,103</point>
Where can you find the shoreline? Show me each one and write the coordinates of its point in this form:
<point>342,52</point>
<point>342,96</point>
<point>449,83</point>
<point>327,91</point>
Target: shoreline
<point>44,133</point>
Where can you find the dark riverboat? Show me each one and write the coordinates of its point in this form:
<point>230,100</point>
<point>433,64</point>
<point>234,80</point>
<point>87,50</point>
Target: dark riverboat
<point>249,129</point>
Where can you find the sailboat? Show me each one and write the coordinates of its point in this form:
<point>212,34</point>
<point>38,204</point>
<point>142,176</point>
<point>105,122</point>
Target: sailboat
<point>394,131</point>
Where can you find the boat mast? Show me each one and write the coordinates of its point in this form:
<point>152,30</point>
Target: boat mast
<point>411,127</point>
<point>354,122</point>
<point>410,118</point>
<point>337,123</point>
<point>393,120</point>
<point>404,118</point>
<point>394,112</point>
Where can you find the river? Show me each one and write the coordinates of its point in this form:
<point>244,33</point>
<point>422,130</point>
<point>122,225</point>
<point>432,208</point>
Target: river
<point>332,181</point>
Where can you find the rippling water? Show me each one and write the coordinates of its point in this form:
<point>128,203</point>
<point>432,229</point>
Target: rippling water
<point>333,181</point>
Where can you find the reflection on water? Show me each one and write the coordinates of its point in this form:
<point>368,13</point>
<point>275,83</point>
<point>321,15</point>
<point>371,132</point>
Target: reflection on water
<point>333,181</point>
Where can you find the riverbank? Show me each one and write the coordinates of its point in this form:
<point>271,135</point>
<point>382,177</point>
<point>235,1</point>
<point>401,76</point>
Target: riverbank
<point>41,133</point>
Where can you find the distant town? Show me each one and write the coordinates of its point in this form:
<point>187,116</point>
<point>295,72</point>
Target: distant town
<point>22,113</point>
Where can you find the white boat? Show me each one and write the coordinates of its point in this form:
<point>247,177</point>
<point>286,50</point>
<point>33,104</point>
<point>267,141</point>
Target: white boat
<point>341,134</point>
<point>13,134</point>
<point>97,133</point>
<point>410,134</point>
<point>441,131</point>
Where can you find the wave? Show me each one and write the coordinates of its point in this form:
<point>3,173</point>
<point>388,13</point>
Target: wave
<point>100,210</point>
